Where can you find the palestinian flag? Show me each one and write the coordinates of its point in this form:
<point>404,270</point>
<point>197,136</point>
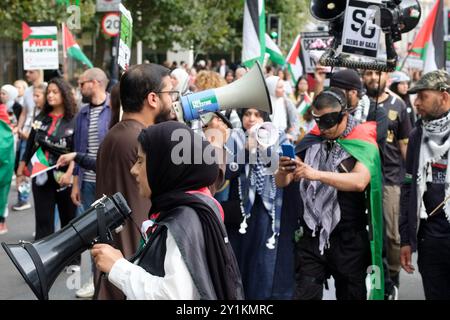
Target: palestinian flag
<point>429,43</point>
<point>307,105</point>
<point>254,33</point>
<point>38,32</point>
<point>7,157</point>
<point>40,163</point>
<point>274,52</point>
<point>361,143</point>
<point>294,62</point>
<point>71,48</point>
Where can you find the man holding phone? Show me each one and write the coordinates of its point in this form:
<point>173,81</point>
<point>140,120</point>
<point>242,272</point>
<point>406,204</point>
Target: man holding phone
<point>334,165</point>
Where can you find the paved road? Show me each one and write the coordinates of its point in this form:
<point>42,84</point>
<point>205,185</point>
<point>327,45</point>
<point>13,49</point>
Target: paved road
<point>12,285</point>
<point>21,227</point>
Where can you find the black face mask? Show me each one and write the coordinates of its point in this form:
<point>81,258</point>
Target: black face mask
<point>328,120</point>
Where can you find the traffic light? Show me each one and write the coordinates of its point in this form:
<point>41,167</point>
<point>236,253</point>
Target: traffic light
<point>274,27</point>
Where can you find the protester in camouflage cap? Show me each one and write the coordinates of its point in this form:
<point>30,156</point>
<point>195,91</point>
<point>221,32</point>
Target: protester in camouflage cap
<point>436,80</point>
<point>425,212</point>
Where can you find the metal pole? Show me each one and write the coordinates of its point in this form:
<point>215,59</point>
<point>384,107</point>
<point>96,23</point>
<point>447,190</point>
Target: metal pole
<point>139,52</point>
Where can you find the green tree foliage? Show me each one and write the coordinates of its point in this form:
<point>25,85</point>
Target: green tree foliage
<point>205,25</point>
<point>14,12</point>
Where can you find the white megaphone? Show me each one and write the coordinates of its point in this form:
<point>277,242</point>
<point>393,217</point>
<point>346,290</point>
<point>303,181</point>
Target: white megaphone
<point>249,91</point>
<point>266,134</point>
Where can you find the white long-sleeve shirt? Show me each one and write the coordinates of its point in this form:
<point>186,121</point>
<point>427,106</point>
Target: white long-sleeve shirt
<point>138,284</point>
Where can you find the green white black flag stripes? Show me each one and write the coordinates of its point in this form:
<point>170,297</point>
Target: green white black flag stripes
<point>293,60</point>
<point>429,42</point>
<point>254,32</point>
<point>274,52</point>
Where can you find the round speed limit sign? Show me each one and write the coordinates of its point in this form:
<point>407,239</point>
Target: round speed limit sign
<point>111,24</point>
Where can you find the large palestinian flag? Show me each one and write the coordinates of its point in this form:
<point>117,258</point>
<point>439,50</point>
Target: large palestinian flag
<point>361,143</point>
<point>254,33</point>
<point>429,43</point>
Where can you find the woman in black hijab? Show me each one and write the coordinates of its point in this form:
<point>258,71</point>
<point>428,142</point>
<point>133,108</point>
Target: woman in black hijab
<point>186,253</point>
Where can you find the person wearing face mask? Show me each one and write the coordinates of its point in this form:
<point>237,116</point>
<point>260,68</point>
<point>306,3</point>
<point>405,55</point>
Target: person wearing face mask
<point>284,115</point>
<point>339,174</point>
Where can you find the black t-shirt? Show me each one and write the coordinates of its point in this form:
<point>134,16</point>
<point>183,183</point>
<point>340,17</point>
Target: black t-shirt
<point>436,226</point>
<point>380,116</point>
<point>352,204</point>
<point>399,127</point>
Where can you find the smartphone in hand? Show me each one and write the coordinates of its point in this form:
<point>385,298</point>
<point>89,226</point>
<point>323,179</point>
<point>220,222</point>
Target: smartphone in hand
<point>288,150</point>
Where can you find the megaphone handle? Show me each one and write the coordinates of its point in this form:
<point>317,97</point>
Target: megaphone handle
<point>101,224</point>
<point>39,269</point>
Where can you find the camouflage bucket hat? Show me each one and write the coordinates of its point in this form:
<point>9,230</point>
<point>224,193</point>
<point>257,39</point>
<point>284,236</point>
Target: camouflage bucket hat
<point>435,80</point>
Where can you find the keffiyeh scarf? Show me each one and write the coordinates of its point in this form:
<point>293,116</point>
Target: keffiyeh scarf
<point>321,207</point>
<point>435,144</point>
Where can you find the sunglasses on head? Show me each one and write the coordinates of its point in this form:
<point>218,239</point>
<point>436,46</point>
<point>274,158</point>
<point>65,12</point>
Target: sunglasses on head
<point>328,120</point>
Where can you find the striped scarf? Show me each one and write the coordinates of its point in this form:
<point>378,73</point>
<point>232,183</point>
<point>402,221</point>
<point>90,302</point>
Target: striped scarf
<point>256,180</point>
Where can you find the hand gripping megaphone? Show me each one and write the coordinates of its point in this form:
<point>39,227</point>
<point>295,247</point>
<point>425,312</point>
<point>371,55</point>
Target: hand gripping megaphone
<point>249,91</point>
<point>42,261</point>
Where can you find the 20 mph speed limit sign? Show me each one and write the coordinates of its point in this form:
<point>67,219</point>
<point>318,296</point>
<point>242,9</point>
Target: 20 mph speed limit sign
<point>111,24</point>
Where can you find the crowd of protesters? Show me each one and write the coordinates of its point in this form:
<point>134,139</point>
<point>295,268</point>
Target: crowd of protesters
<point>336,209</point>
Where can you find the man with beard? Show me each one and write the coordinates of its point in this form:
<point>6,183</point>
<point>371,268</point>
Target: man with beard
<point>394,153</point>
<point>360,106</point>
<point>91,128</point>
<point>425,211</point>
<point>146,95</point>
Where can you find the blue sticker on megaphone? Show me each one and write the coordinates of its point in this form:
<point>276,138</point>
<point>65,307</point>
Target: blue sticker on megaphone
<point>199,103</point>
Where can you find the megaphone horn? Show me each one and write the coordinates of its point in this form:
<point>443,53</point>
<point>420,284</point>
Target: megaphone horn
<point>42,261</point>
<point>249,91</point>
<point>327,10</point>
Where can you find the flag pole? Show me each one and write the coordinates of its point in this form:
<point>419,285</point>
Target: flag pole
<point>65,68</point>
<point>404,60</point>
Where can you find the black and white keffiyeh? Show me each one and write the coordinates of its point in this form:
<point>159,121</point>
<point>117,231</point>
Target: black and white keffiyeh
<point>435,144</point>
<point>321,207</point>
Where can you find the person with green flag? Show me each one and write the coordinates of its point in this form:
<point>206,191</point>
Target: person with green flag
<point>6,171</point>
<point>338,171</point>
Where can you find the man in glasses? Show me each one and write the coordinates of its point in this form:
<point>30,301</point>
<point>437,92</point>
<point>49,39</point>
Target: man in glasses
<point>146,96</point>
<point>334,167</point>
<point>91,128</point>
